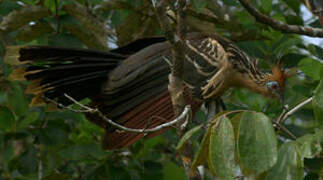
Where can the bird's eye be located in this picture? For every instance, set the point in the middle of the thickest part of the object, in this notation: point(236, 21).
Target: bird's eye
point(273, 85)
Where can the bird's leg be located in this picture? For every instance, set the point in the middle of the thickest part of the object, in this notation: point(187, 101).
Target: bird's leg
point(214, 107)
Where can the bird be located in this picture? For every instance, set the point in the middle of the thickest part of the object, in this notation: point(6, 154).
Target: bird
point(129, 84)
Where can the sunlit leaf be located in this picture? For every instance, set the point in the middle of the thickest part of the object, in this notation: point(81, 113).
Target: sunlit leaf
point(289, 164)
point(222, 149)
point(257, 143)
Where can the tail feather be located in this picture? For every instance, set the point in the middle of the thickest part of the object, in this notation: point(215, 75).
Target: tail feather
point(55, 71)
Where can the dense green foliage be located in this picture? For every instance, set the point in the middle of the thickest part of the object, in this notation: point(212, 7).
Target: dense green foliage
point(35, 143)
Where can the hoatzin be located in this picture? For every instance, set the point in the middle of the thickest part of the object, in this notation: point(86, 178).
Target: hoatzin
point(129, 84)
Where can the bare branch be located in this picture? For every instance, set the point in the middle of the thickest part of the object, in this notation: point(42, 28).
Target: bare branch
point(185, 113)
point(175, 86)
point(283, 128)
point(285, 114)
point(284, 28)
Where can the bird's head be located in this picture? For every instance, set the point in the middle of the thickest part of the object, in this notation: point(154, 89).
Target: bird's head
point(275, 82)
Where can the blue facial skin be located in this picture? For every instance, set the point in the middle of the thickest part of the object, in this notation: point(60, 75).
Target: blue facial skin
point(274, 88)
point(273, 85)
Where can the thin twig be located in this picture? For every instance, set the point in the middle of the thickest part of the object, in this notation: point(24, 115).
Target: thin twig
point(296, 108)
point(87, 109)
point(280, 26)
point(283, 128)
point(285, 115)
point(187, 109)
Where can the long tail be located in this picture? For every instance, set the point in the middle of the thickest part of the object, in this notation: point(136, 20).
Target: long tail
point(137, 100)
point(54, 71)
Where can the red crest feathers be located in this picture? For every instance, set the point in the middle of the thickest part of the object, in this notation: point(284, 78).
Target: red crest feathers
point(279, 75)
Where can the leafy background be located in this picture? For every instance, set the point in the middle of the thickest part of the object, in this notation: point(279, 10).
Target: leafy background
point(35, 144)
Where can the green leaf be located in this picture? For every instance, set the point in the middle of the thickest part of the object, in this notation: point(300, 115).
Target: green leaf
point(6, 154)
point(311, 67)
point(30, 118)
point(308, 146)
point(173, 171)
point(28, 161)
point(17, 100)
point(289, 164)
point(199, 5)
point(318, 104)
point(222, 149)
point(257, 143)
point(82, 152)
point(266, 5)
point(7, 119)
point(187, 136)
point(50, 4)
point(293, 5)
point(235, 121)
point(201, 155)
point(55, 176)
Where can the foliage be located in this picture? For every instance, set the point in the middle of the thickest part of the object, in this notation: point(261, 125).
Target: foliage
point(64, 145)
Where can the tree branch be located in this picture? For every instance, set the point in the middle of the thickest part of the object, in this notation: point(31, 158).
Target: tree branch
point(175, 86)
point(185, 113)
point(285, 114)
point(86, 109)
point(277, 25)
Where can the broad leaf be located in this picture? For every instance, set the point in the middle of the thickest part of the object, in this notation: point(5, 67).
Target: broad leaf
point(173, 171)
point(17, 100)
point(257, 143)
point(308, 146)
point(318, 104)
point(187, 136)
point(289, 164)
point(30, 118)
point(202, 154)
point(7, 119)
point(222, 149)
point(311, 67)
point(266, 5)
point(203, 151)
